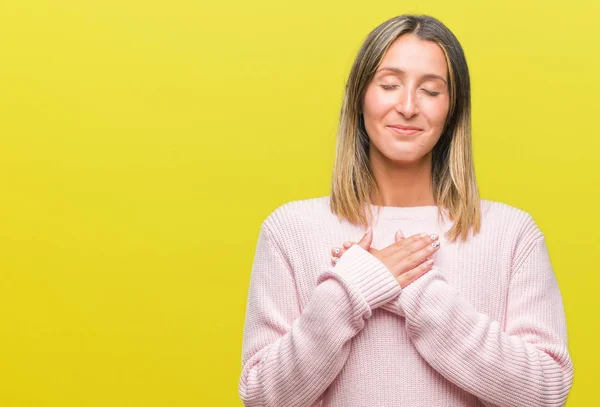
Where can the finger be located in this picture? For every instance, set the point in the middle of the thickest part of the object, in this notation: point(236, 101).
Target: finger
point(348, 244)
point(334, 261)
point(407, 254)
point(416, 242)
point(405, 247)
point(410, 276)
point(366, 240)
point(337, 251)
point(426, 250)
point(399, 235)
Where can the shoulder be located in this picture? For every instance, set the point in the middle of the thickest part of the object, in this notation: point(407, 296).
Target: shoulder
point(509, 216)
point(291, 226)
point(298, 216)
point(514, 225)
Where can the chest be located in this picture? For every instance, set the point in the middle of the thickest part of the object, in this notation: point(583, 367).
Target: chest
point(478, 269)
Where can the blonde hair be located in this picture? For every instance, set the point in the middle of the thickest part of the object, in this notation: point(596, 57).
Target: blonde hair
point(452, 174)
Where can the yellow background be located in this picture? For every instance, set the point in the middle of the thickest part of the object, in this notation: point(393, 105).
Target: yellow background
point(143, 142)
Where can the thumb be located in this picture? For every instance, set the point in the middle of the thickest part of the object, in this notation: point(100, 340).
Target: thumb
point(366, 240)
point(399, 235)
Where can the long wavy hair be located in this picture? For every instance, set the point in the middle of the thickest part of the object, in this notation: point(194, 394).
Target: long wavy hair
point(452, 174)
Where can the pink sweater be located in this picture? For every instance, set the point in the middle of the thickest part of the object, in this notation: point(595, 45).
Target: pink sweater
point(485, 327)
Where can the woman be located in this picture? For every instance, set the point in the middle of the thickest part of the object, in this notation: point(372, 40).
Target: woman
point(465, 311)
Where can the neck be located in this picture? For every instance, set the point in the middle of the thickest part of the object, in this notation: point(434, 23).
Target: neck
point(402, 184)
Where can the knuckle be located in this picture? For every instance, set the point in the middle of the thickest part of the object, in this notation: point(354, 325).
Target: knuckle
point(413, 260)
point(409, 274)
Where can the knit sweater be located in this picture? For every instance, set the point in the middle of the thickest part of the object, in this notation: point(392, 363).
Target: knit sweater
point(484, 327)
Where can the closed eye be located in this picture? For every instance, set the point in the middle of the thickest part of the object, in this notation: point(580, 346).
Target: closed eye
point(431, 93)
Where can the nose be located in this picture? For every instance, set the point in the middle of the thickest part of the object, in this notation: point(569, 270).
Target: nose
point(407, 106)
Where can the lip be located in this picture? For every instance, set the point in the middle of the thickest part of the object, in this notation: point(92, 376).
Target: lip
point(405, 130)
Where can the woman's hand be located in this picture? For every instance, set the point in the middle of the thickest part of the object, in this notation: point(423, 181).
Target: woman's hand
point(407, 258)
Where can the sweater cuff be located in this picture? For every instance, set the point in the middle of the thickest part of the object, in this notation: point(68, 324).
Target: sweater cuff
point(414, 300)
point(370, 276)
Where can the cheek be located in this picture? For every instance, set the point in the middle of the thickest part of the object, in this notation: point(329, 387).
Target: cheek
point(436, 112)
point(377, 103)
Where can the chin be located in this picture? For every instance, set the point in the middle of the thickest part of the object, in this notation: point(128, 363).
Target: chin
point(404, 158)
point(401, 152)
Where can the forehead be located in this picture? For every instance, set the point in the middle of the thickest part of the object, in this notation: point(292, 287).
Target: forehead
point(415, 56)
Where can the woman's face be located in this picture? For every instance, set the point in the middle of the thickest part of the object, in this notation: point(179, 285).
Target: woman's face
point(407, 101)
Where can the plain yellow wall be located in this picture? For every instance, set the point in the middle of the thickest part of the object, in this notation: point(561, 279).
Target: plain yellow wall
point(142, 144)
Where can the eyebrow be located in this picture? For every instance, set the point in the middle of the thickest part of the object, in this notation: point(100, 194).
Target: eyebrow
point(400, 71)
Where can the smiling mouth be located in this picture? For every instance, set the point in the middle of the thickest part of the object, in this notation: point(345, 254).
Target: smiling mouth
point(405, 132)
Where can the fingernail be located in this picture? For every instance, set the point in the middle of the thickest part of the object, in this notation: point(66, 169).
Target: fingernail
point(335, 260)
point(434, 236)
point(429, 262)
point(336, 250)
point(347, 244)
point(435, 244)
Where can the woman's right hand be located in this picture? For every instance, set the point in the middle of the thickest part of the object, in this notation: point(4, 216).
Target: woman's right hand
point(406, 258)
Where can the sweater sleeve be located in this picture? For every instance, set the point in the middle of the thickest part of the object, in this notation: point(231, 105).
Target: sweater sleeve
point(525, 364)
point(290, 356)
